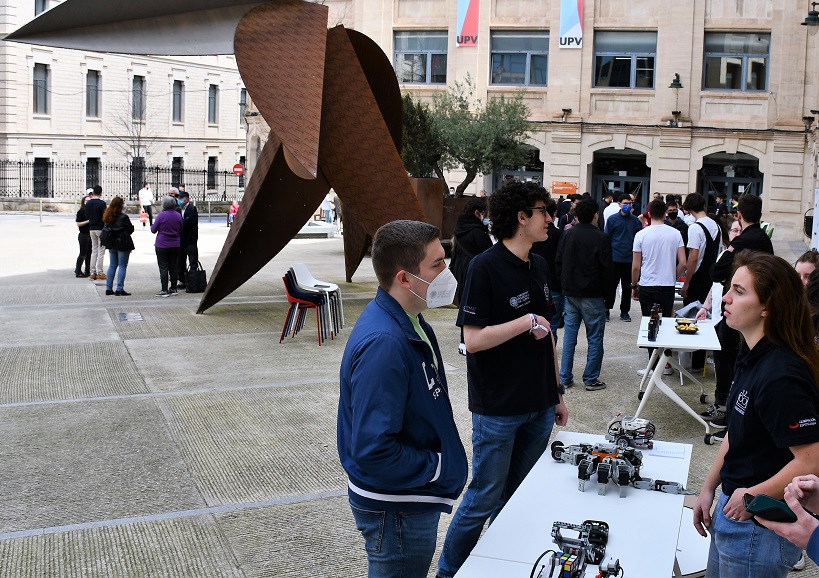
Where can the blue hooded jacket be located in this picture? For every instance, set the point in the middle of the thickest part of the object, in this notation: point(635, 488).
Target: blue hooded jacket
point(397, 438)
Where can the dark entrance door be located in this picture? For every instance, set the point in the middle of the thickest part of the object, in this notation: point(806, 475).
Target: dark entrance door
point(621, 172)
point(730, 174)
point(531, 171)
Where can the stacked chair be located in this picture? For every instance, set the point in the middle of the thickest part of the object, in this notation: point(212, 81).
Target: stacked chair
point(305, 292)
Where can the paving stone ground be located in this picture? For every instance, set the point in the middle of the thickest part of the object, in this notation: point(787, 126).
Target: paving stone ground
point(140, 439)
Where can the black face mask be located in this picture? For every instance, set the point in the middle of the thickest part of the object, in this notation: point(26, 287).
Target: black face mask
point(672, 215)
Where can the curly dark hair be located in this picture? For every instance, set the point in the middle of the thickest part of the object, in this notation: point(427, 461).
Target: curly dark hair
point(507, 201)
point(476, 204)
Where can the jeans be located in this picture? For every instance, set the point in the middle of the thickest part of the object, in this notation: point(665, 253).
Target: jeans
point(591, 311)
point(745, 550)
point(504, 449)
point(97, 253)
point(117, 263)
point(85, 254)
point(398, 544)
point(557, 319)
point(167, 260)
point(188, 256)
point(328, 216)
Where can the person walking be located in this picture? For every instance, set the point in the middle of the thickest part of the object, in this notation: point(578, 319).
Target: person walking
point(167, 227)
point(621, 227)
point(583, 260)
point(397, 438)
point(84, 238)
point(94, 209)
point(514, 392)
point(146, 201)
point(773, 418)
point(188, 239)
point(120, 251)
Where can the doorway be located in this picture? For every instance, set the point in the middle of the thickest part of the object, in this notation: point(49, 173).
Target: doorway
point(621, 171)
point(730, 174)
point(532, 171)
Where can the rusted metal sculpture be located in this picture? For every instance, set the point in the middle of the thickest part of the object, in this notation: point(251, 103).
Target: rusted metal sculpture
point(330, 97)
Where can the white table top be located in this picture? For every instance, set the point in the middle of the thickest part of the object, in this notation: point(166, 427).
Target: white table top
point(669, 337)
point(643, 526)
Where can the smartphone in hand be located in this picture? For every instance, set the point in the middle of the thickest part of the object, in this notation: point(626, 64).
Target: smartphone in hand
point(768, 508)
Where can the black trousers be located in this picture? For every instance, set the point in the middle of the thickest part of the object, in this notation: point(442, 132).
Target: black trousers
point(698, 291)
point(85, 254)
point(167, 260)
point(621, 275)
point(150, 210)
point(188, 258)
point(662, 295)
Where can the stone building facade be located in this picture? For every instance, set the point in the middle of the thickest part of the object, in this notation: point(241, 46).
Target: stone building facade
point(61, 106)
point(606, 114)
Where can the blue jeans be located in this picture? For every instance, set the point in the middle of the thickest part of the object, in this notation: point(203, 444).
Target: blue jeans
point(328, 216)
point(398, 544)
point(745, 550)
point(592, 312)
point(117, 260)
point(557, 319)
point(504, 449)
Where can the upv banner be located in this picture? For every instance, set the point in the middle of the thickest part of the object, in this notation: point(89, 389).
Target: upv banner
point(571, 23)
point(467, 23)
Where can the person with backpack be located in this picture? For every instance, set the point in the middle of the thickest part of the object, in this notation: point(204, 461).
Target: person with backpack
point(119, 246)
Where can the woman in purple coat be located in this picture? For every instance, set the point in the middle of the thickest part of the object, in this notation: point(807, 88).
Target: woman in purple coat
point(167, 227)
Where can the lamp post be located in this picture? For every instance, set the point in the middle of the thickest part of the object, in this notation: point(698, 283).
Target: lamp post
point(812, 19)
point(676, 85)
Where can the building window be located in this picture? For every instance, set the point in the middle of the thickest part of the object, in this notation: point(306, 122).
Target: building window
point(92, 172)
point(624, 59)
point(92, 94)
point(242, 106)
point(40, 6)
point(420, 57)
point(736, 61)
point(177, 170)
point(138, 98)
point(41, 88)
point(212, 166)
point(213, 104)
point(243, 162)
point(178, 103)
point(519, 58)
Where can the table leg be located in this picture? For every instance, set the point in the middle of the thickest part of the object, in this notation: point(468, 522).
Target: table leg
point(683, 372)
point(656, 381)
point(651, 360)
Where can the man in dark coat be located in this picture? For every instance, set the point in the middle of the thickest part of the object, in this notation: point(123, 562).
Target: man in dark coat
point(188, 249)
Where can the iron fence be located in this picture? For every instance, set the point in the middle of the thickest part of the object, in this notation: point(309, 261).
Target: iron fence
point(66, 179)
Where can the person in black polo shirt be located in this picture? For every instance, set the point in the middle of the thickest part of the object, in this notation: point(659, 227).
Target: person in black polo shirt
point(773, 418)
point(511, 364)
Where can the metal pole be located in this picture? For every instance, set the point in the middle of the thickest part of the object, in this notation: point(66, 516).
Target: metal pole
point(209, 214)
point(41, 210)
point(814, 239)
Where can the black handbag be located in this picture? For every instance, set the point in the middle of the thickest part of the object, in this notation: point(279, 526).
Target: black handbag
point(197, 279)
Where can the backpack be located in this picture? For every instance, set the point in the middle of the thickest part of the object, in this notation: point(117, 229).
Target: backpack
point(107, 237)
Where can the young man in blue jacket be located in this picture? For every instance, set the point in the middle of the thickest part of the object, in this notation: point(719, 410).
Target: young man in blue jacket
point(397, 438)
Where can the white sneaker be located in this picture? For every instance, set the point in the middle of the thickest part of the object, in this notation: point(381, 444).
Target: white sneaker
point(643, 371)
point(462, 348)
point(800, 565)
point(667, 369)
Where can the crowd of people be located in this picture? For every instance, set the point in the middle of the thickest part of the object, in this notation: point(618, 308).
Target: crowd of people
point(176, 228)
point(559, 264)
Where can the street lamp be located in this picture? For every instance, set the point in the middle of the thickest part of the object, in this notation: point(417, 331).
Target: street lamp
point(676, 85)
point(812, 19)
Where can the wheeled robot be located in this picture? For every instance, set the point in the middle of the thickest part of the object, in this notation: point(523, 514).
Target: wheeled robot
point(633, 432)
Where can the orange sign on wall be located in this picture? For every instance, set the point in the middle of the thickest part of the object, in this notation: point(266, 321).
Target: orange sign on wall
point(564, 189)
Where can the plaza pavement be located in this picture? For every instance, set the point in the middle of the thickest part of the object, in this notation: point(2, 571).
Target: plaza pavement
point(140, 439)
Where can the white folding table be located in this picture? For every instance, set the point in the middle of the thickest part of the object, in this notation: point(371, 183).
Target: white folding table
point(668, 341)
point(644, 526)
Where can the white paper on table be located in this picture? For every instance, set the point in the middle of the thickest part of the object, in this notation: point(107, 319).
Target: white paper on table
point(666, 450)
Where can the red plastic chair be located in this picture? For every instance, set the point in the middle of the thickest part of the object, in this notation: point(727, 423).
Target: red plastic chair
point(296, 314)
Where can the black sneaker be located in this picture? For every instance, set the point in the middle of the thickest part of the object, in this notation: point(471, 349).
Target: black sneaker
point(162, 293)
point(719, 437)
point(568, 384)
point(595, 385)
point(173, 293)
point(122, 294)
point(719, 421)
point(109, 291)
point(625, 317)
point(608, 315)
point(713, 411)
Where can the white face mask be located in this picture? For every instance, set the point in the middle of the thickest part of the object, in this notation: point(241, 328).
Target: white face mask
point(441, 290)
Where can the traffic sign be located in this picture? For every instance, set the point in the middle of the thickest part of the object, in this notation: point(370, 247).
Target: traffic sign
point(238, 170)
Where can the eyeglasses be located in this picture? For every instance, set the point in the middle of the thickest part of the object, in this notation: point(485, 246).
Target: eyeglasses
point(733, 230)
point(541, 209)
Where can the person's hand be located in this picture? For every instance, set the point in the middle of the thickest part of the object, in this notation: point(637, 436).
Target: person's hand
point(561, 413)
point(734, 508)
point(806, 490)
point(798, 532)
point(542, 329)
point(701, 314)
point(684, 290)
point(702, 512)
point(635, 294)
